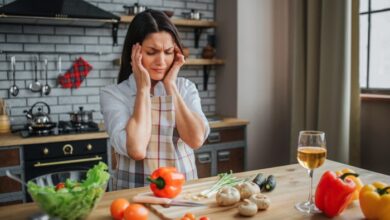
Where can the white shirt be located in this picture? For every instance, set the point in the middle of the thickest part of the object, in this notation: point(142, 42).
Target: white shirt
point(117, 106)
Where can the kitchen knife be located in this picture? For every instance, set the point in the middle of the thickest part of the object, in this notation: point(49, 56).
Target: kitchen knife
point(164, 201)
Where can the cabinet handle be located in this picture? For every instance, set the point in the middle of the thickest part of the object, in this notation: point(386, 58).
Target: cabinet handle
point(223, 155)
point(214, 137)
point(204, 158)
point(96, 158)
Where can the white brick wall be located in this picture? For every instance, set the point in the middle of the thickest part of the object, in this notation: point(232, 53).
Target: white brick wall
point(49, 42)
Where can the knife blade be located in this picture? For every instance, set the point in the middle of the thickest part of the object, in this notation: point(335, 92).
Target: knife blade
point(164, 201)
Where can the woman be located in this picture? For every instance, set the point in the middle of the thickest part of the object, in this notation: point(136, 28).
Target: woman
point(153, 117)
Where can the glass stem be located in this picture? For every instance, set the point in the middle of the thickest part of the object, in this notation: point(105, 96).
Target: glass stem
point(310, 200)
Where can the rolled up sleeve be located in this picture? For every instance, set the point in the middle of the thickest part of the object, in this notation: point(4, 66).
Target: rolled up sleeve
point(116, 113)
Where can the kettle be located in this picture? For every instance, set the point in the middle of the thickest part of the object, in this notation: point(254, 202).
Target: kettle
point(40, 118)
point(135, 9)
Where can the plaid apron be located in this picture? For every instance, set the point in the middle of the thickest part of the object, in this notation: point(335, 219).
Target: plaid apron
point(165, 148)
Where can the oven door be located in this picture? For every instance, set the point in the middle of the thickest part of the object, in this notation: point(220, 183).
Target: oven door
point(38, 168)
point(34, 169)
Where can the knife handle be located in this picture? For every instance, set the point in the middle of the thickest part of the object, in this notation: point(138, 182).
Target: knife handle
point(151, 200)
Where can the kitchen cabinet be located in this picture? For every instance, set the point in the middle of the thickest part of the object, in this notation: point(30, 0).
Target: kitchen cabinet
point(224, 150)
point(11, 192)
point(31, 157)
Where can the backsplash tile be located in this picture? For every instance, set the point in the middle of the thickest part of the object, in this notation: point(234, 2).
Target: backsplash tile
point(94, 44)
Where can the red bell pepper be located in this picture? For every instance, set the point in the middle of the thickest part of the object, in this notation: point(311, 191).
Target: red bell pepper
point(334, 193)
point(166, 182)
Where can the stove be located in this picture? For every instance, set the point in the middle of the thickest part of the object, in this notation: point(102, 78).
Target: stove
point(63, 127)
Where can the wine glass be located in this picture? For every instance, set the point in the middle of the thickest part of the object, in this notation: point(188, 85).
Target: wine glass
point(311, 155)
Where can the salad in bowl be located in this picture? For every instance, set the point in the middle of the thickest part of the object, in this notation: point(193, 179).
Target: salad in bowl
point(71, 194)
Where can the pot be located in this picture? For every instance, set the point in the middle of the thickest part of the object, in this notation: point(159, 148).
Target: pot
point(38, 118)
point(81, 116)
point(135, 9)
point(193, 14)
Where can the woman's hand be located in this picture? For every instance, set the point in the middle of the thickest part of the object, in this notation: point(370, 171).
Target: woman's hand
point(170, 78)
point(141, 75)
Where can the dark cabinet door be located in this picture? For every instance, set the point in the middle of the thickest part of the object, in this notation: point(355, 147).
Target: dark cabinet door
point(203, 164)
point(230, 159)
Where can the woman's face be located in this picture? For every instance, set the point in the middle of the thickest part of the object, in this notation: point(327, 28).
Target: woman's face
point(158, 54)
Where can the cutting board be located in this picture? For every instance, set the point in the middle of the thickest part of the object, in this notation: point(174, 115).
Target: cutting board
point(189, 190)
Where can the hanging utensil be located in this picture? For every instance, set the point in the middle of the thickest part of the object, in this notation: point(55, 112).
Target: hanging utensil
point(13, 90)
point(35, 86)
point(2, 107)
point(46, 88)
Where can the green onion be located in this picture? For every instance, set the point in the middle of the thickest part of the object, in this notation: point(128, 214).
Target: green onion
point(225, 179)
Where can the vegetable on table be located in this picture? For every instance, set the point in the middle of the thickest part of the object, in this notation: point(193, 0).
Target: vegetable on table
point(136, 212)
point(375, 201)
point(262, 201)
point(260, 180)
point(228, 195)
point(76, 199)
point(247, 189)
point(355, 179)
point(334, 193)
point(166, 182)
point(188, 216)
point(118, 207)
point(225, 179)
point(270, 183)
point(247, 208)
point(266, 184)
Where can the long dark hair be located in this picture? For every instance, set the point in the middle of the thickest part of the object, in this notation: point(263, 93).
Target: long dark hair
point(144, 23)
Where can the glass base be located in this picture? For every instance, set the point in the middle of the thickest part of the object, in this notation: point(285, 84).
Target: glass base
point(307, 207)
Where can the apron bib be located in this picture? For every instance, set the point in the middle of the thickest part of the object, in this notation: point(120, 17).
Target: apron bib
point(165, 148)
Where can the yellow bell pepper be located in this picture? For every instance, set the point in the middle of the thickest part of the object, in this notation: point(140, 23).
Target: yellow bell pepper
point(375, 201)
point(356, 180)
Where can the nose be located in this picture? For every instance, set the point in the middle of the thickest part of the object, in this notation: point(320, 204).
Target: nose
point(160, 59)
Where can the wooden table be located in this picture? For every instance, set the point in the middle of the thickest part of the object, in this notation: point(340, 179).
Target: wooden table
point(292, 187)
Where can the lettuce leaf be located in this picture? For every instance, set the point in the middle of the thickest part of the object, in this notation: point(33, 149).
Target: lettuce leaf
point(76, 200)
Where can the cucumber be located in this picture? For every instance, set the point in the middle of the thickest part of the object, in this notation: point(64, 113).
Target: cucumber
point(260, 180)
point(270, 183)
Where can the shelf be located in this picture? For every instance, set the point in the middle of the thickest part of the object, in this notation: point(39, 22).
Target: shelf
point(179, 22)
point(203, 62)
point(192, 62)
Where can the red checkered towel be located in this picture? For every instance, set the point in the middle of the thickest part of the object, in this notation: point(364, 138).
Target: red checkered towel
point(75, 75)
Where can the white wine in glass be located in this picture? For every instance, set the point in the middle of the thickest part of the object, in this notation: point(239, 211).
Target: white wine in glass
point(311, 155)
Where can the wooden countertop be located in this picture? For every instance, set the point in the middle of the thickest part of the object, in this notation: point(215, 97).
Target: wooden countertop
point(14, 139)
point(292, 187)
point(228, 122)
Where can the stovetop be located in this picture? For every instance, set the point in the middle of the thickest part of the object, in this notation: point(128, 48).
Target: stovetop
point(63, 127)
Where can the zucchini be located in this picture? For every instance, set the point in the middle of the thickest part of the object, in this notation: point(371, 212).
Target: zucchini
point(260, 180)
point(270, 183)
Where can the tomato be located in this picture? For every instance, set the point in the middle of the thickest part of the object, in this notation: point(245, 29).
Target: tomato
point(204, 218)
point(185, 218)
point(60, 186)
point(136, 212)
point(118, 207)
point(190, 216)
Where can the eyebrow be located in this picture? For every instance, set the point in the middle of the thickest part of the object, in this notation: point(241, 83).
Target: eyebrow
point(153, 48)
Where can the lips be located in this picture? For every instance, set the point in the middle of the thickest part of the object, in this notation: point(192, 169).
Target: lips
point(158, 70)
